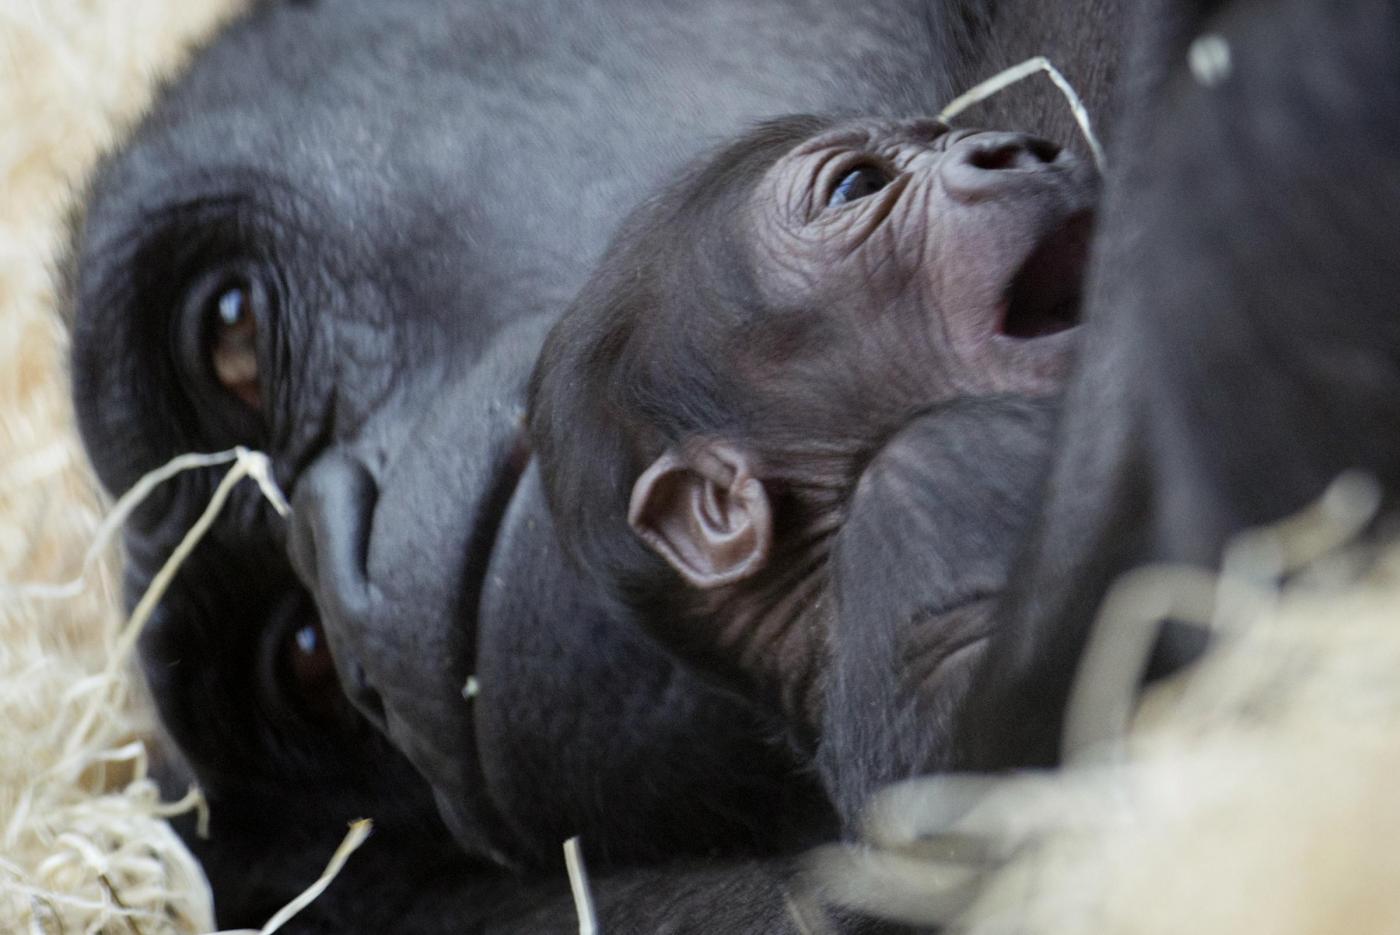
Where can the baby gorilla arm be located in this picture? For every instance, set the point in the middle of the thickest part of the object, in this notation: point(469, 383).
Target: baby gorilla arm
point(928, 544)
point(901, 608)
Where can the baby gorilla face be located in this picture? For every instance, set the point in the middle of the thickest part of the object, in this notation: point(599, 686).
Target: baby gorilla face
point(827, 352)
point(971, 244)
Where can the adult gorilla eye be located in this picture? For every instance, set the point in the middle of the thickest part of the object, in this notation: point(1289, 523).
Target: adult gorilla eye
point(307, 672)
point(294, 672)
point(233, 341)
point(858, 183)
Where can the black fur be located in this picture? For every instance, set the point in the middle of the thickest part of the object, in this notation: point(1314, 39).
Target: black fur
point(423, 186)
point(1243, 347)
point(418, 188)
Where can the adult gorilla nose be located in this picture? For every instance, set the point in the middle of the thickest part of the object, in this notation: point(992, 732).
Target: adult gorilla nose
point(983, 165)
point(331, 510)
point(396, 662)
point(331, 507)
point(391, 534)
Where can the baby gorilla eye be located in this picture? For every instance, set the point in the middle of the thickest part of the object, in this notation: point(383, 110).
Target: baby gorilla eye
point(233, 345)
point(858, 183)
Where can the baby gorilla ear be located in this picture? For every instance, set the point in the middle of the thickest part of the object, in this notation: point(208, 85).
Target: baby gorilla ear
point(705, 513)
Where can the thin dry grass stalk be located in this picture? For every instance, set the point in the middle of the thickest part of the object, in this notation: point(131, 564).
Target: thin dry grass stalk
point(83, 843)
point(1031, 66)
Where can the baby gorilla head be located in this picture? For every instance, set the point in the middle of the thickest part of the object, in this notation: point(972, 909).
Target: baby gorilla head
point(756, 336)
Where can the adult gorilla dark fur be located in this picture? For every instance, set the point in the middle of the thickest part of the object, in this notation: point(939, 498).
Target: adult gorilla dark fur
point(396, 199)
point(1247, 349)
point(340, 237)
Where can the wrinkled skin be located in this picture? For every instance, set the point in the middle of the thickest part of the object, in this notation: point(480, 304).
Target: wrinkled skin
point(412, 193)
point(932, 256)
point(340, 236)
point(815, 377)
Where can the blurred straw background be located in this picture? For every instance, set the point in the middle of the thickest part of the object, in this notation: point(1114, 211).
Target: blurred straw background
point(81, 846)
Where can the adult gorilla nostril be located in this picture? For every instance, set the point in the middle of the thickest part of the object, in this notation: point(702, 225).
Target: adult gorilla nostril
point(329, 541)
point(364, 695)
point(332, 506)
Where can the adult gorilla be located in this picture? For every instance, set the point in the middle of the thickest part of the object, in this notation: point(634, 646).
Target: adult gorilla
point(1246, 349)
point(339, 237)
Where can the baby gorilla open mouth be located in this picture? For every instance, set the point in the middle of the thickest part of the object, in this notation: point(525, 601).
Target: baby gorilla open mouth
point(1045, 294)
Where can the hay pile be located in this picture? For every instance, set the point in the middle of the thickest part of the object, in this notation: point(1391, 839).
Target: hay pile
point(81, 845)
point(1255, 792)
point(1256, 795)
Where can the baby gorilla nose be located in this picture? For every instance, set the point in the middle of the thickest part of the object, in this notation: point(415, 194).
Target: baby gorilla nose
point(998, 151)
point(982, 165)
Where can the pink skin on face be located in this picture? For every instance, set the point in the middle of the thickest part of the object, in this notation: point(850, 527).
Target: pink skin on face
point(969, 245)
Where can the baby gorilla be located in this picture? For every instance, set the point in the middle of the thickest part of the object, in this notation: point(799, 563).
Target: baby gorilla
point(798, 417)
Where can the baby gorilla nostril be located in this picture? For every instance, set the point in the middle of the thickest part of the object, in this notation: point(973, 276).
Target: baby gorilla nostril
point(1010, 151)
point(1044, 150)
point(994, 165)
point(994, 158)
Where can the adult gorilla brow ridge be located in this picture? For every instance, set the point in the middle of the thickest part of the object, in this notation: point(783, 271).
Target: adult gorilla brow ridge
point(245, 216)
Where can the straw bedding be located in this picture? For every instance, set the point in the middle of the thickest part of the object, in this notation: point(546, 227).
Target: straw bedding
point(1256, 794)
